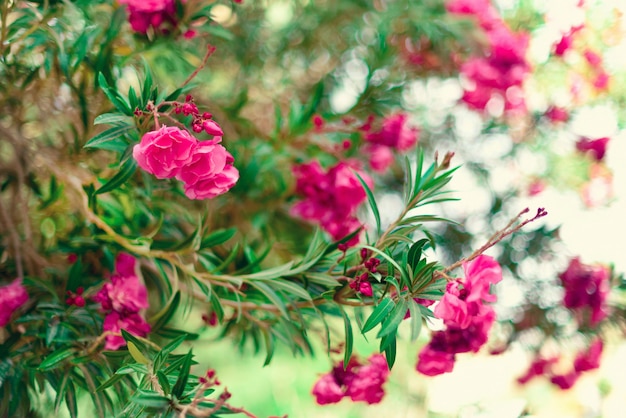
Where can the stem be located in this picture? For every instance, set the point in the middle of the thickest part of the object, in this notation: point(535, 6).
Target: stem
point(209, 52)
point(496, 238)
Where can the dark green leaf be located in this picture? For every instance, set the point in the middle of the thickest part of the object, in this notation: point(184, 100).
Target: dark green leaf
point(151, 399)
point(349, 338)
point(55, 359)
point(109, 135)
point(126, 171)
point(416, 319)
point(183, 376)
point(218, 237)
point(378, 314)
point(371, 200)
point(394, 319)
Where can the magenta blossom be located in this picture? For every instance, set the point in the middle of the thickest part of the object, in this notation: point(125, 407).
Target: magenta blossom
point(115, 323)
point(433, 362)
point(331, 198)
point(12, 297)
point(464, 299)
point(565, 381)
point(165, 151)
point(590, 359)
point(595, 147)
point(359, 382)
point(145, 14)
point(125, 293)
point(586, 289)
point(395, 133)
point(210, 187)
point(540, 366)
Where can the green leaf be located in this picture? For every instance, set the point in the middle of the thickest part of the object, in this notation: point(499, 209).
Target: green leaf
point(218, 237)
point(55, 359)
point(371, 200)
point(173, 345)
point(378, 314)
point(110, 381)
point(164, 382)
point(183, 376)
point(271, 296)
point(269, 347)
point(112, 119)
point(416, 319)
point(126, 172)
point(415, 253)
point(70, 399)
point(128, 337)
point(389, 341)
point(161, 318)
point(347, 353)
point(136, 354)
point(109, 135)
point(394, 319)
point(115, 98)
point(151, 399)
point(290, 287)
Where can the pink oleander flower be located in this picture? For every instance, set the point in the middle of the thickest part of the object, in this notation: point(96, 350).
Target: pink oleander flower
point(327, 390)
point(395, 133)
point(539, 367)
point(331, 198)
point(595, 147)
point(380, 157)
point(165, 151)
point(115, 322)
point(438, 356)
point(125, 293)
point(367, 383)
point(590, 359)
point(463, 299)
point(144, 14)
point(208, 159)
point(565, 381)
point(557, 114)
point(586, 288)
point(564, 44)
point(12, 297)
point(482, 10)
point(357, 381)
point(601, 81)
point(433, 362)
point(213, 186)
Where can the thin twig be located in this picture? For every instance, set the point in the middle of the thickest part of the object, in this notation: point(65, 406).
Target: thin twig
point(496, 238)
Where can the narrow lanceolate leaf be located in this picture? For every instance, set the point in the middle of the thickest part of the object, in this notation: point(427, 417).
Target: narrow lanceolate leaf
point(56, 358)
point(112, 119)
point(151, 399)
point(272, 296)
point(106, 136)
point(291, 287)
point(218, 237)
point(372, 202)
point(416, 319)
point(70, 400)
point(389, 343)
point(126, 172)
point(161, 318)
point(390, 324)
point(183, 376)
point(110, 381)
point(136, 354)
point(349, 338)
point(379, 313)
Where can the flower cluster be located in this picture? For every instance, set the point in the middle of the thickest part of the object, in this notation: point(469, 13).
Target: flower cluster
point(331, 198)
point(357, 381)
point(394, 134)
point(585, 361)
point(586, 287)
point(467, 319)
point(205, 167)
point(594, 147)
point(12, 297)
point(501, 74)
point(146, 14)
point(123, 299)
